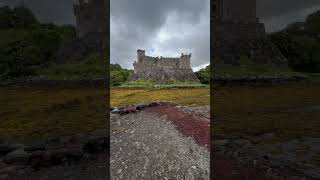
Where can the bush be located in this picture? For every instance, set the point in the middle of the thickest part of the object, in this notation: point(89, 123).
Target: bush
point(204, 75)
point(26, 44)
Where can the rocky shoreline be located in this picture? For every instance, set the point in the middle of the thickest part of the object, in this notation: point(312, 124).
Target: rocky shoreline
point(39, 154)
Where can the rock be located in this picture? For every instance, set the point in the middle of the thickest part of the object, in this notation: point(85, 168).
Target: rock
point(141, 107)
point(5, 147)
point(8, 170)
point(16, 146)
point(115, 111)
point(35, 145)
point(127, 110)
point(154, 104)
point(17, 157)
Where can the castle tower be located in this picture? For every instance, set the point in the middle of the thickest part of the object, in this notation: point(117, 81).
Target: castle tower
point(238, 32)
point(184, 61)
point(89, 16)
point(140, 54)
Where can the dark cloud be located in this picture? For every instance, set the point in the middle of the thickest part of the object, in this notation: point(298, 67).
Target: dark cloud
point(276, 14)
point(167, 28)
point(57, 11)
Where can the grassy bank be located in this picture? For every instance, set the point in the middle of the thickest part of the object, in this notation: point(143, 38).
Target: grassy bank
point(249, 70)
point(287, 111)
point(144, 83)
point(33, 112)
point(199, 96)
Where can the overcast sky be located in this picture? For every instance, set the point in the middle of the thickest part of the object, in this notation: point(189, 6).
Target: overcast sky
point(166, 27)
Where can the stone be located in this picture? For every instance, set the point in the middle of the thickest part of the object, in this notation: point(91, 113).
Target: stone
point(16, 146)
point(115, 111)
point(35, 145)
point(8, 170)
point(141, 107)
point(154, 104)
point(163, 69)
point(17, 157)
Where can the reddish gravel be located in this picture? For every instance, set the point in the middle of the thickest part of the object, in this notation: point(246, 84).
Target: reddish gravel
point(188, 124)
point(199, 129)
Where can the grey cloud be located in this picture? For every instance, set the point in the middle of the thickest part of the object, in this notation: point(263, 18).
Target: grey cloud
point(136, 24)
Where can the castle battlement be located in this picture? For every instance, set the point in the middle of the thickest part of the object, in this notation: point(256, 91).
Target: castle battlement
point(144, 62)
point(163, 68)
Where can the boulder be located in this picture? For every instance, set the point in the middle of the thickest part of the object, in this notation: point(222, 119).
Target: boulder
point(17, 157)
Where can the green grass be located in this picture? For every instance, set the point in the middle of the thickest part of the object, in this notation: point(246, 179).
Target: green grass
point(91, 68)
point(145, 83)
point(35, 112)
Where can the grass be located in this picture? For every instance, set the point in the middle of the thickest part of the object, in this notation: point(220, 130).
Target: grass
point(286, 110)
point(198, 96)
point(35, 112)
point(145, 83)
point(251, 69)
point(91, 68)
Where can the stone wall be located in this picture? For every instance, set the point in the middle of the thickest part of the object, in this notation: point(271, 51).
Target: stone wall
point(237, 32)
point(89, 17)
point(163, 69)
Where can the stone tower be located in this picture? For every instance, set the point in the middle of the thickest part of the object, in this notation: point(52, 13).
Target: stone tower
point(89, 16)
point(238, 32)
point(163, 69)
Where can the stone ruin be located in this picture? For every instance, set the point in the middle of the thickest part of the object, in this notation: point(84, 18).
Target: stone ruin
point(89, 26)
point(238, 32)
point(163, 69)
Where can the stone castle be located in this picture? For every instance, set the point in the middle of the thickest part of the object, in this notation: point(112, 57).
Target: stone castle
point(237, 32)
point(163, 69)
point(89, 17)
point(90, 20)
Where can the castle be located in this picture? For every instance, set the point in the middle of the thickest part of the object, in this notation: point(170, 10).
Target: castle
point(89, 17)
point(163, 69)
point(238, 32)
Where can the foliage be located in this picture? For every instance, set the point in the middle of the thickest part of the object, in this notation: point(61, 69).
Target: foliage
point(118, 75)
point(27, 45)
point(204, 75)
point(300, 43)
point(19, 17)
point(93, 67)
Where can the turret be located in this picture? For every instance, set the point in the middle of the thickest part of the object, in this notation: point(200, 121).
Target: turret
point(140, 53)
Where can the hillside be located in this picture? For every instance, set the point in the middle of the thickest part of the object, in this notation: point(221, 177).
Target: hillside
point(300, 43)
point(30, 50)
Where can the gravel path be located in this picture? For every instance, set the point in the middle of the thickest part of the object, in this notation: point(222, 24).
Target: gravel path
point(146, 145)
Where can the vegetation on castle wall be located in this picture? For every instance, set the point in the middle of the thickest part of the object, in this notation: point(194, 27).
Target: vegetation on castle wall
point(300, 43)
